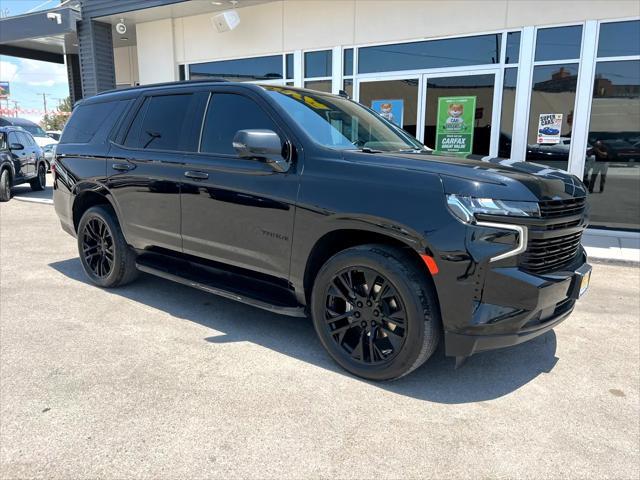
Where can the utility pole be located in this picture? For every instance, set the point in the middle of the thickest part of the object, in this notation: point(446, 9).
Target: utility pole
point(44, 101)
point(15, 108)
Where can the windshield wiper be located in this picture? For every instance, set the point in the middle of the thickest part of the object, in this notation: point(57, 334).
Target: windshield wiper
point(369, 150)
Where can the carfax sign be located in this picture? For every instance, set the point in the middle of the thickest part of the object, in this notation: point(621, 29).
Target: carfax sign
point(454, 128)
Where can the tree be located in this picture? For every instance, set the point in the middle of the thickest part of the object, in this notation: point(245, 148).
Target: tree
point(57, 120)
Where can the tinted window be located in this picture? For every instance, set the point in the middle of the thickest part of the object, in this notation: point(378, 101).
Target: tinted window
point(244, 69)
point(27, 140)
point(3, 141)
point(513, 47)
point(13, 138)
point(451, 52)
point(161, 123)
point(619, 39)
point(181, 72)
point(348, 61)
point(317, 64)
point(289, 65)
point(227, 114)
point(85, 122)
point(558, 43)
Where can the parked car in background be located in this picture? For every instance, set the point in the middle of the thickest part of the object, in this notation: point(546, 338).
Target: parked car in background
point(306, 203)
point(21, 161)
point(55, 134)
point(43, 140)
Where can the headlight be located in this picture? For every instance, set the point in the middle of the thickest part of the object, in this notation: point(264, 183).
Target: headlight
point(466, 208)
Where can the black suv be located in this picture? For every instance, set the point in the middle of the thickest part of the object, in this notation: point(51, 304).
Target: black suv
point(301, 202)
point(21, 161)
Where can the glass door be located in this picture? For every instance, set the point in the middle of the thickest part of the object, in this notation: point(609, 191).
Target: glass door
point(395, 98)
point(460, 113)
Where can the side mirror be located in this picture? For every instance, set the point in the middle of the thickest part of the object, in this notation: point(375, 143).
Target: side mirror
point(16, 146)
point(261, 144)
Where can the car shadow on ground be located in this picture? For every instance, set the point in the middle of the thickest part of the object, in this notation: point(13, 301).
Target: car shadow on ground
point(483, 377)
point(24, 192)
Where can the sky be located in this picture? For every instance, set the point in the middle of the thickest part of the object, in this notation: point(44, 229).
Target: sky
point(31, 78)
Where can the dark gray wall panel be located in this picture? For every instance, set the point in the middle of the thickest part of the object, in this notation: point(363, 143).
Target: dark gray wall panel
point(97, 67)
point(101, 8)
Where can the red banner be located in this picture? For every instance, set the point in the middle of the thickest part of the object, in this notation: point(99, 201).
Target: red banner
point(16, 112)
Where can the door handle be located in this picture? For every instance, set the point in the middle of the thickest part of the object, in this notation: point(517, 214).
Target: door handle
point(196, 175)
point(123, 167)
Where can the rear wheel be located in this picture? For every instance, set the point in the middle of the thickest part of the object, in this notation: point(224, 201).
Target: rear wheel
point(106, 258)
point(5, 186)
point(375, 312)
point(40, 182)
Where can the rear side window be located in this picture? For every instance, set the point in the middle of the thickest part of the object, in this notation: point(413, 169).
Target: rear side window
point(160, 124)
point(86, 121)
point(227, 114)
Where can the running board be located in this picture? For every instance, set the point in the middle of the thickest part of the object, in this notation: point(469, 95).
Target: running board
point(240, 288)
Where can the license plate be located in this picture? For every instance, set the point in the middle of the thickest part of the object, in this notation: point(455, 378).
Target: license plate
point(584, 284)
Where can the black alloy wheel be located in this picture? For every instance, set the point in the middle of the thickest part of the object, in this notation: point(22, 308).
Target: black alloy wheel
point(365, 315)
point(98, 247)
point(375, 310)
point(40, 182)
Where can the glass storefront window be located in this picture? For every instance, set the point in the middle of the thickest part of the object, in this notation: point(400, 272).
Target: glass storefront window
point(558, 43)
point(348, 87)
point(619, 39)
point(320, 85)
point(406, 91)
point(480, 86)
point(450, 52)
point(347, 64)
point(289, 65)
point(554, 92)
point(513, 47)
point(612, 167)
point(508, 108)
point(241, 70)
point(317, 64)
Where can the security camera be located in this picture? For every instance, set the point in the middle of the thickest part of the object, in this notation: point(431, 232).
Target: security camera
point(54, 17)
point(121, 28)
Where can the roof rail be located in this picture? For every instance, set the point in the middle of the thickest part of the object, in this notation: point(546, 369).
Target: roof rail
point(166, 84)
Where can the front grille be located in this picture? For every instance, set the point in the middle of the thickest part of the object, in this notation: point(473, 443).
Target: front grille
point(562, 208)
point(545, 255)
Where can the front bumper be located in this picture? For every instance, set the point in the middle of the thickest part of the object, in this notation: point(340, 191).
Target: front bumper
point(517, 307)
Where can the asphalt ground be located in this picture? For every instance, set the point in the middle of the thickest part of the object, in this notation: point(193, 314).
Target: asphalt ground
point(157, 380)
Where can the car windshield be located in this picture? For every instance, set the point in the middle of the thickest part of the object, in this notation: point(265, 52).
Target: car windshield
point(34, 130)
point(337, 122)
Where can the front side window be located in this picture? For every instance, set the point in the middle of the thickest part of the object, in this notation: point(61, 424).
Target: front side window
point(228, 113)
point(160, 124)
point(339, 123)
point(13, 138)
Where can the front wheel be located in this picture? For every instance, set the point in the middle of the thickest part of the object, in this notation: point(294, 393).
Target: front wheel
point(375, 312)
point(5, 186)
point(106, 258)
point(40, 182)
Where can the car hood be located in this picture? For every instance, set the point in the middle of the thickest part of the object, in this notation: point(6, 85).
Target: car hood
point(476, 176)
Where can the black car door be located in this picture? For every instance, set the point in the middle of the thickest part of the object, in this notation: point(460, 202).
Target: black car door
point(234, 210)
point(18, 156)
point(32, 149)
point(146, 165)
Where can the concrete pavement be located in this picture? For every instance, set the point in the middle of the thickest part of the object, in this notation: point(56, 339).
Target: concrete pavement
point(157, 380)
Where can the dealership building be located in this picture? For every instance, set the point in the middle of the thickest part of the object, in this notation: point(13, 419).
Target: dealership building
point(556, 83)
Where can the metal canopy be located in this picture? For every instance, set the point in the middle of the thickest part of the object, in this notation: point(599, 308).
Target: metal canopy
point(44, 35)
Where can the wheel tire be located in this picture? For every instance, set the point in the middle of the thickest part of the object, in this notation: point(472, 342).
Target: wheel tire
point(106, 258)
point(40, 182)
point(414, 292)
point(5, 186)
